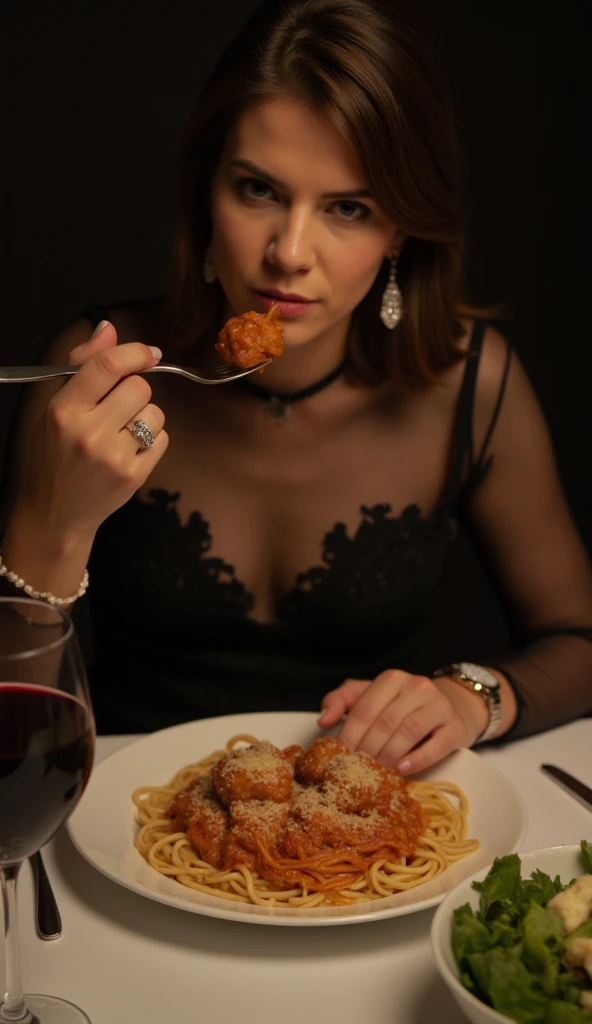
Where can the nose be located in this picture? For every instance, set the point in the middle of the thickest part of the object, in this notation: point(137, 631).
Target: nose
point(292, 245)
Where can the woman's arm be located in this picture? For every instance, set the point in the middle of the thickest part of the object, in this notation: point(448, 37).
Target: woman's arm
point(520, 523)
point(57, 562)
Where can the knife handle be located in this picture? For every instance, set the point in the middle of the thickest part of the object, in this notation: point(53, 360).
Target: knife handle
point(575, 787)
point(49, 922)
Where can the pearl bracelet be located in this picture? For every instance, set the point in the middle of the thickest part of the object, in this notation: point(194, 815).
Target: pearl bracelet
point(43, 595)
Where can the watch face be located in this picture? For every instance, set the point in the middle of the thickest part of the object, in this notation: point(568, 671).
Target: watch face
point(478, 674)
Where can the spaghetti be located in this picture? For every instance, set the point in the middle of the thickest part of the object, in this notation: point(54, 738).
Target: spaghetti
point(300, 828)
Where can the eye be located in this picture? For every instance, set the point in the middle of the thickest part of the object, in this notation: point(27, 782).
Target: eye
point(253, 188)
point(350, 210)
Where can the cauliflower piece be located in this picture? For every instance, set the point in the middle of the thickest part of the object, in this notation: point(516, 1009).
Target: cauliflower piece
point(574, 904)
point(578, 953)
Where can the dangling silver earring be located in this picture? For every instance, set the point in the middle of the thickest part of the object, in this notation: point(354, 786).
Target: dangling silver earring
point(391, 309)
point(209, 270)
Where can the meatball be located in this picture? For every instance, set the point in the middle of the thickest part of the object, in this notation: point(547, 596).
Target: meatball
point(253, 822)
point(200, 787)
point(293, 753)
point(258, 772)
point(250, 339)
point(199, 812)
point(316, 824)
point(311, 765)
point(357, 784)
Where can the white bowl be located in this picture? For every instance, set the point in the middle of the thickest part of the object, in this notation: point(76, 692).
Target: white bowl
point(565, 861)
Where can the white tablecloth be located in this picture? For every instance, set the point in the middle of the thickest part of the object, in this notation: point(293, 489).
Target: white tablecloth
point(125, 959)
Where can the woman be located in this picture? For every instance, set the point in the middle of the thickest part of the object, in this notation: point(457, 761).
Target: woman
point(319, 172)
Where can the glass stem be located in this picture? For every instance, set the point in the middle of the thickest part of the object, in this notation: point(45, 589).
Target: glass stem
point(14, 1007)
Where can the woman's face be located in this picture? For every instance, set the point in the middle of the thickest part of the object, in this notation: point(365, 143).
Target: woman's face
point(293, 222)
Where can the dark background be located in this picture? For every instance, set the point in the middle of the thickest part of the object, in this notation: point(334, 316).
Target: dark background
point(96, 95)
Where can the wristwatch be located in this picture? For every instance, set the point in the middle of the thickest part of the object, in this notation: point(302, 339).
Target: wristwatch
point(480, 680)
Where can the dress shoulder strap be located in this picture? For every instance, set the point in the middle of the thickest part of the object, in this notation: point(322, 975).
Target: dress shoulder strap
point(463, 432)
point(478, 463)
point(464, 446)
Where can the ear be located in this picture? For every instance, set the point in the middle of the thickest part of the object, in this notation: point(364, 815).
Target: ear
point(397, 242)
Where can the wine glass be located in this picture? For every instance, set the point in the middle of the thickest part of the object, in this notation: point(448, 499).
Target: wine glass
point(46, 752)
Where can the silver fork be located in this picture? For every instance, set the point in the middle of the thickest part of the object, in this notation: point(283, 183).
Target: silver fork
point(220, 374)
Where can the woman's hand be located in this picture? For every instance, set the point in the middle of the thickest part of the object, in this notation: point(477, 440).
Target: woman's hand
point(407, 722)
point(85, 462)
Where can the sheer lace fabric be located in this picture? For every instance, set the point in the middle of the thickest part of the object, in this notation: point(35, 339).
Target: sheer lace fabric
point(188, 646)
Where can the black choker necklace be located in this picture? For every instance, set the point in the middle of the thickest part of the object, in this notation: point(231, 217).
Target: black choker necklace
point(279, 402)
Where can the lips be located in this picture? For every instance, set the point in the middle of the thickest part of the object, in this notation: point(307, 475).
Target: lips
point(289, 304)
point(284, 296)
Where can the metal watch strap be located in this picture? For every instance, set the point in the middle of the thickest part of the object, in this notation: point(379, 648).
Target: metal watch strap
point(481, 681)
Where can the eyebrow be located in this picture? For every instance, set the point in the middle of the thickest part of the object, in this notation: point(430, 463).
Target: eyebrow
point(246, 165)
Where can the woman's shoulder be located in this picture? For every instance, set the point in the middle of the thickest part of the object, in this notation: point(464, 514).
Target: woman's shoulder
point(501, 386)
point(485, 353)
point(480, 370)
point(496, 362)
point(473, 388)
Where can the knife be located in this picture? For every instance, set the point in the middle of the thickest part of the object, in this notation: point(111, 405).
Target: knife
point(49, 923)
point(573, 786)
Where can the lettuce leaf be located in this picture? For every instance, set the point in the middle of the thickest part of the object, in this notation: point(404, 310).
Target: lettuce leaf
point(469, 934)
point(570, 987)
point(586, 849)
point(543, 945)
point(502, 931)
point(566, 1013)
point(499, 890)
point(540, 888)
point(509, 985)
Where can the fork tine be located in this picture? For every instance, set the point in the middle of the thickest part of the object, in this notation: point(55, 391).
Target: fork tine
point(226, 372)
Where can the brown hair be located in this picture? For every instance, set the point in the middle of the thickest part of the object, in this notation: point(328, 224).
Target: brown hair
point(360, 66)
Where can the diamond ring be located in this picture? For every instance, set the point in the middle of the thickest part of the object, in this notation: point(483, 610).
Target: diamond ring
point(143, 433)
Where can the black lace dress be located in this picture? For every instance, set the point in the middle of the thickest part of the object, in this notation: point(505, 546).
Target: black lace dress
point(178, 642)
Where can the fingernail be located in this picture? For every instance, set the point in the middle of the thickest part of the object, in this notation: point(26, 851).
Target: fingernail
point(404, 767)
point(155, 351)
point(99, 327)
point(322, 717)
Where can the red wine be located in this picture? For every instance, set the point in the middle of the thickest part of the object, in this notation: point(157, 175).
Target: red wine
point(46, 752)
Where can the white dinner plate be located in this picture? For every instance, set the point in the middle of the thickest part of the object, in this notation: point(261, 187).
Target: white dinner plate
point(103, 825)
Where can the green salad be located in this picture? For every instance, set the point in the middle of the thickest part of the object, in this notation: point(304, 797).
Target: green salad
point(527, 952)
